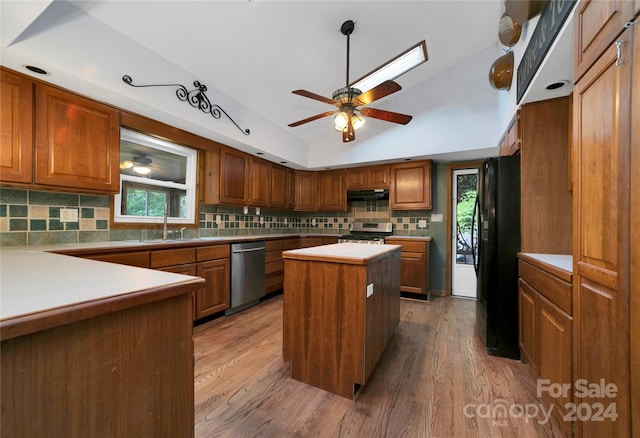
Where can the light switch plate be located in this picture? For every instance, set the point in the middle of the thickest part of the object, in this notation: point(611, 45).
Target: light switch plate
point(436, 217)
point(68, 215)
point(369, 290)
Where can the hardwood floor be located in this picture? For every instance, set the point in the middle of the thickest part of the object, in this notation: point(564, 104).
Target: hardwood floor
point(433, 372)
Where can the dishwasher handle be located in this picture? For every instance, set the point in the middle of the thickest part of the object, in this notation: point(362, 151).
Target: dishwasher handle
point(236, 251)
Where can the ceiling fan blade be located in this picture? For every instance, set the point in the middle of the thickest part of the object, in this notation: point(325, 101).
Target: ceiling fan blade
point(315, 96)
point(387, 116)
point(310, 119)
point(378, 92)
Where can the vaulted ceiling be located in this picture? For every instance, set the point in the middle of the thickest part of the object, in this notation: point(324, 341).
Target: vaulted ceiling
point(252, 54)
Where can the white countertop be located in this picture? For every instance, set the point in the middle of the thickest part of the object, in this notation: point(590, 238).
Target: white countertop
point(356, 253)
point(33, 281)
point(561, 261)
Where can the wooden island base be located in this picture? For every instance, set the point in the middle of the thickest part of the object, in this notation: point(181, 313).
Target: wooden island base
point(335, 330)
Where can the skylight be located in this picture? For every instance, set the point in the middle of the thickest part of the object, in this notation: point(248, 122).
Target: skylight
point(399, 65)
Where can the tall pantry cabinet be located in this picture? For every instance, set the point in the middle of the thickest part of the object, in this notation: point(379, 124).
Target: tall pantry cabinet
point(605, 103)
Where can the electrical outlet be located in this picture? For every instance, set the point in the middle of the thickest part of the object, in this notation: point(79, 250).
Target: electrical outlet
point(261, 219)
point(422, 223)
point(68, 215)
point(218, 219)
point(369, 290)
point(285, 221)
point(313, 221)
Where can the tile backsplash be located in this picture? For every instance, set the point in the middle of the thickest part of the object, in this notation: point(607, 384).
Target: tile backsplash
point(30, 217)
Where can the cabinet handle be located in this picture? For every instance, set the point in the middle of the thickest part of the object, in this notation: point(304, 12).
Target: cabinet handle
point(619, 44)
point(628, 24)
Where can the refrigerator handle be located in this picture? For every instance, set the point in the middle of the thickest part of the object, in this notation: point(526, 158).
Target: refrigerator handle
point(475, 244)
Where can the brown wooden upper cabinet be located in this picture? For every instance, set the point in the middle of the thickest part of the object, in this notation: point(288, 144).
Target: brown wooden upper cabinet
point(77, 140)
point(596, 24)
point(306, 190)
point(259, 182)
point(234, 176)
point(369, 177)
point(410, 186)
point(16, 123)
point(290, 188)
point(278, 184)
point(510, 143)
point(331, 191)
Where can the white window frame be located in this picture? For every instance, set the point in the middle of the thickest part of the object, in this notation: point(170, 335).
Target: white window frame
point(189, 186)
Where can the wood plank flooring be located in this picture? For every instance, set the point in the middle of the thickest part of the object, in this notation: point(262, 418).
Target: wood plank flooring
point(433, 372)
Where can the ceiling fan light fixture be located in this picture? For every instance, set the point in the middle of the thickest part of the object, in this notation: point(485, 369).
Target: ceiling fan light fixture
point(142, 170)
point(357, 121)
point(341, 121)
point(399, 65)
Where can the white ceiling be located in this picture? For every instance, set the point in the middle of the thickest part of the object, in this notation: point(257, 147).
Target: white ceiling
point(252, 54)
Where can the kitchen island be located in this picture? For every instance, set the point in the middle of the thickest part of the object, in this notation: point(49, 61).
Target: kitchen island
point(94, 349)
point(341, 308)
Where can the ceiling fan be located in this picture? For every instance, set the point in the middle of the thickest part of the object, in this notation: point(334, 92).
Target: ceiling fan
point(348, 117)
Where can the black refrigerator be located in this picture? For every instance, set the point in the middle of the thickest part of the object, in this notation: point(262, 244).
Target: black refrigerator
point(498, 207)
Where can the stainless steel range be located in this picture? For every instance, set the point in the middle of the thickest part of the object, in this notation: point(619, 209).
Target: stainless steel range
point(367, 232)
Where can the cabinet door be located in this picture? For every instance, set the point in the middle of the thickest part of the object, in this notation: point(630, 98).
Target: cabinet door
point(77, 141)
point(290, 189)
point(16, 126)
point(259, 182)
point(306, 190)
point(413, 269)
point(513, 135)
point(596, 24)
point(527, 323)
point(278, 195)
point(356, 178)
point(331, 191)
point(601, 231)
point(553, 328)
point(378, 177)
point(234, 171)
point(214, 296)
point(210, 171)
point(410, 186)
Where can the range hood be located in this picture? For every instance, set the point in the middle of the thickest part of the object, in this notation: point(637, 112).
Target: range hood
point(367, 195)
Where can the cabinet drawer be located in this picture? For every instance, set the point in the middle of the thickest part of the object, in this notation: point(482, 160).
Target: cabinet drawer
point(273, 282)
point(138, 258)
point(551, 287)
point(168, 257)
point(273, 256)
point(291, 244)
point(272, 267)
point(273, 245)
point(212, 252)
point(407, 245)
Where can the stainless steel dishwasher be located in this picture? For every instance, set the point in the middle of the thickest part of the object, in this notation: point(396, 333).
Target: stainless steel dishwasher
point(247, 275)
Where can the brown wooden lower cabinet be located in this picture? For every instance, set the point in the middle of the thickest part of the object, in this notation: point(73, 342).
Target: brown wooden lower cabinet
point(121, 367)
point(214, 297)
point(214, 265)
point(209, 262)
point(339, 315)
point(414, 263)
point(545, 332)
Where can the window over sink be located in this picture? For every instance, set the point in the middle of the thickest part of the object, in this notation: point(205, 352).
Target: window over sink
point(156, 176)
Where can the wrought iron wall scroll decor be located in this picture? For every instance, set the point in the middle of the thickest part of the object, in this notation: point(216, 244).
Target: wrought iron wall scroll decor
point(195, 97)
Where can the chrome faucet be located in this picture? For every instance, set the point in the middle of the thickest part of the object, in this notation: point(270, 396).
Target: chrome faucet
point(164, 226)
